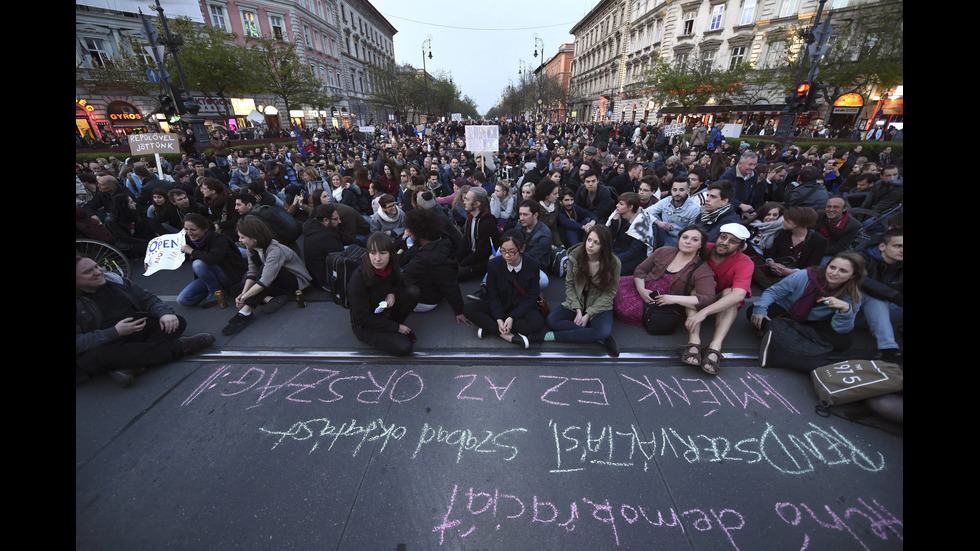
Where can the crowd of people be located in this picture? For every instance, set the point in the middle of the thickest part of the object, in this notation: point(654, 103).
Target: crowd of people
point(637, 224)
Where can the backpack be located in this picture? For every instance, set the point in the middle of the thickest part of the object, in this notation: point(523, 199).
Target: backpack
point(285, 228)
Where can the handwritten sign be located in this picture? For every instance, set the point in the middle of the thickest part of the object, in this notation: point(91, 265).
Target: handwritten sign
point(482, 137)
point(675, 129)
point(163, 253)
point(145, 144)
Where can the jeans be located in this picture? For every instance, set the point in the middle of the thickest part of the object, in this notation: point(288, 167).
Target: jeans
point(879, 315)
point(561, 320)
point(210, 278)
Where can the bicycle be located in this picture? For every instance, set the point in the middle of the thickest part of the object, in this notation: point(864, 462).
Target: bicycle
point(108, 257)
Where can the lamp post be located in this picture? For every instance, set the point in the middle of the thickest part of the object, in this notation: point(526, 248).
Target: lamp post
point(426, 48)
point(537, 40)
point(522, 82)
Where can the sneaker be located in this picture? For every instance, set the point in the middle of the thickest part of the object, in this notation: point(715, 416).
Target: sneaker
point(273, 305)
point(764, 348)
point(190, 345)
point(208, 302)
point(611, 347)
point(122, 377)
point(892, 355)
point(520, 340)
point(479, 332)
point(236, 324)
point(480, 294)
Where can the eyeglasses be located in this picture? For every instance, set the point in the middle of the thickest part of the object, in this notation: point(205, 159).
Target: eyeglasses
point(508, 252)
point(729, 239)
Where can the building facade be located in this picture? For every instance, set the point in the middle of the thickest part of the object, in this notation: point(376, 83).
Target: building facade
point(618, 41)
point(335, 41)
point(367, 46)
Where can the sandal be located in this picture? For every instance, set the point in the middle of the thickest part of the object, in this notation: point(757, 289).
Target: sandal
point(709, 366)
point(691, 358)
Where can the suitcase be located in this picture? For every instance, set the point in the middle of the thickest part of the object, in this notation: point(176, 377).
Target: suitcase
point(340, 266)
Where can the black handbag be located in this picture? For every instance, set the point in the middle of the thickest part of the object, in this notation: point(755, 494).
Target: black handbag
point(663, 320)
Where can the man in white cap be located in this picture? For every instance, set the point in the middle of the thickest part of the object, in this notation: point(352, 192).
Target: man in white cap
point(733, 284)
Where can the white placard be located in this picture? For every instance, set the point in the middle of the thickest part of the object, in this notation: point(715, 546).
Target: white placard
point(482, 137)
point(163, 253)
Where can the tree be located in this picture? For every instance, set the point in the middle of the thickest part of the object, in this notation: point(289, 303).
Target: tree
point(212, 62)
point(397, 87)
point(281, 73)
point(865, 53)
point(125, 71)
point(691, 82)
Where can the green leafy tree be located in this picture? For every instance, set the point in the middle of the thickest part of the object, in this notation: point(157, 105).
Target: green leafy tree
point(865, 53)
point(213, 63)
point(692, 82)
point(126, 70)
point(283, 74)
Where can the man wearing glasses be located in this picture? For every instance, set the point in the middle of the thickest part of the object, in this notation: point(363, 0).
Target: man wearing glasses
point(733, 284)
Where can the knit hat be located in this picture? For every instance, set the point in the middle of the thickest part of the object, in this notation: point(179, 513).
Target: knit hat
point(426, 200)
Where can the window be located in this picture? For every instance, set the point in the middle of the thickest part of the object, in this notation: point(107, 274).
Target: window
point(97, 49)
point(688, 23)
point(250, 24)
point(278, 29)
point(774, 57)
point(717, 14)
point(306, 36)
point(708, 57)
point(738, 56)
point(748, 13)
point(788, 8)
point(681, 59)
point(218, 17)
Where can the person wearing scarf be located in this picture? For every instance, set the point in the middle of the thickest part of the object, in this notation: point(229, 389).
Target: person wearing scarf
point(823, 298)
point(215, 260)
point(717, 209)
point(380, 300)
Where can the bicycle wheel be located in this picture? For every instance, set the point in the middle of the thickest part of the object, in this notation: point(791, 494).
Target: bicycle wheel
point(104, 255)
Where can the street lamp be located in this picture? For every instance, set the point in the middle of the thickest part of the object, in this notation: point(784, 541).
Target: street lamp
point(426, 47)
point(537, 40)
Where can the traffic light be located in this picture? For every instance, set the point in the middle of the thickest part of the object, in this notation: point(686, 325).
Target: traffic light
point(169, 109)
point(797, 97)
point(817, 91)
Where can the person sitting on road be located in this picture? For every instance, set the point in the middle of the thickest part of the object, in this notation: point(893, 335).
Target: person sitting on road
point(591, 282)
point(793, 248)
point(733, 284)
point(430, 264)
point(511, 310)
point(381, 300)
point(824, 298)
point(121, 329)
point(717, 210)
point(671, 275)
point(276, 274)
point(215, 260)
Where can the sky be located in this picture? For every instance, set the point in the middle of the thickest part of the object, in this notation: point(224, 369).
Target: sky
point(480, 44)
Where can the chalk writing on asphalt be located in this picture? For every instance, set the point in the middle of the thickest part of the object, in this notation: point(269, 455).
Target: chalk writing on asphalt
point(315, 385)
point(591, 446)
point(478, 513)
